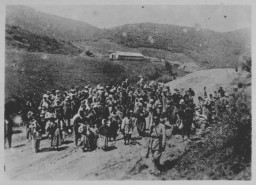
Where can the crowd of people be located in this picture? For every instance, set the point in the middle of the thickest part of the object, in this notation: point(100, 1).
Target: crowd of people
point(97, 115)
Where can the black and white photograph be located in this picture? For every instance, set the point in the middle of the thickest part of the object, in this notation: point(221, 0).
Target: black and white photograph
point(127, 91)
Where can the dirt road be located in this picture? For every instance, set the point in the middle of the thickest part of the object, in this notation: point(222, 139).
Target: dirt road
point(120, 162)
point(210, 78)
point(70, 163)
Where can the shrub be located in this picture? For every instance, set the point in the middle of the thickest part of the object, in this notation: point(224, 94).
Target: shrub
point(238, 117)
point(165, 78)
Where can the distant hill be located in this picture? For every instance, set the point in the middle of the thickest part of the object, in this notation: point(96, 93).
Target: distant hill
point(205, 47)
point(50, 25)
point(17, 38)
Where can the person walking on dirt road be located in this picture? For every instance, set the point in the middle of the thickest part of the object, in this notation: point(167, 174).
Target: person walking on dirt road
point(156, 143)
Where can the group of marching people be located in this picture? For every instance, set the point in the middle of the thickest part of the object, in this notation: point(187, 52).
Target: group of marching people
point(97, 115)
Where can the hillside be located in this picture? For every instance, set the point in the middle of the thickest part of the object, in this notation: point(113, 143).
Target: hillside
point(28, 73)
point(211, 78)
point(50, 25)
point(19, 38)
point(207, 48)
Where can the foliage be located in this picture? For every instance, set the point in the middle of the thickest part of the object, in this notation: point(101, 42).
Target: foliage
point(168, 66)
point(165, 78)
point(18, 38)
point(224, 151)
point(247, 63)
point(238, 117)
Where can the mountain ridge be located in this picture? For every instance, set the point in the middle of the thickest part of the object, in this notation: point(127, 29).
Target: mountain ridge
point(206, 47)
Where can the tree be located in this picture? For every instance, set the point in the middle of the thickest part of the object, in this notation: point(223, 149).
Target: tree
point(168, 66)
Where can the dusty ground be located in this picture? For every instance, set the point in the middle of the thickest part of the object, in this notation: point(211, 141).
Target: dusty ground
point(119, 163)
point(210, 78)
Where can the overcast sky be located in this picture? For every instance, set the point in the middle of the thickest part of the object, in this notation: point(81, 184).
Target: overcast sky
point(219, 18)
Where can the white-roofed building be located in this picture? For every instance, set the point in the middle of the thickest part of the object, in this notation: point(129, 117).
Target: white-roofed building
point(120, 55)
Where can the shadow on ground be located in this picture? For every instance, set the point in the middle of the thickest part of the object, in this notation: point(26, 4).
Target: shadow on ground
point(52, 149)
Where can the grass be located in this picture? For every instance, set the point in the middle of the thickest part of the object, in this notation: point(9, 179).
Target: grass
point(31, 74)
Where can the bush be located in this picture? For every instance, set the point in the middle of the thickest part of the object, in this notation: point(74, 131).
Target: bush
point(238, 118)
point(165, 78)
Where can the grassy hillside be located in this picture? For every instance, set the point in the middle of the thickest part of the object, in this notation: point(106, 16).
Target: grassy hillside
point(207, 48)
point(29, 73)
point(49, 25)
point(19, 38)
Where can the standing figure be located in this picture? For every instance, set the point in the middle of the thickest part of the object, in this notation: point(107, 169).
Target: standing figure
point(127, 127)
point(113, 127)
point(77, 121)
point(188, 120)
point(141, 115)
point(30, 117)
point(67, 111)
point(8, 126)
point(156, 143)
point(103, 135)
point(36, 135)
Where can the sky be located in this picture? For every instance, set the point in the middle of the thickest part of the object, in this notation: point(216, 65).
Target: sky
point(219, 18)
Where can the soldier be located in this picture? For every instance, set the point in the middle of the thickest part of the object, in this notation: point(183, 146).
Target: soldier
point(156, 143)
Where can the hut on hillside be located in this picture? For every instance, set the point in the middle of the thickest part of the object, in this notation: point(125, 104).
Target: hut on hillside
point(119, 55)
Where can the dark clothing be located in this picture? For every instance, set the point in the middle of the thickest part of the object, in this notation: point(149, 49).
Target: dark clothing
point(104, 130)
point(8, 126)
point(187, 122)
point(113, 128)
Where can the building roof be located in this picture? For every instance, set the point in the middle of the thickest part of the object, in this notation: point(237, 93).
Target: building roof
point(128, 54)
